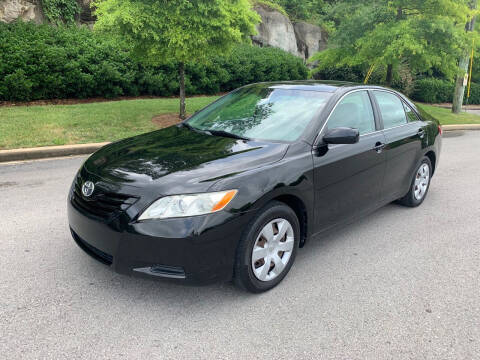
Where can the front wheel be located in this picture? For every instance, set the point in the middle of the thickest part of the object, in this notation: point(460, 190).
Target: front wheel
point(419, 185)
point(267, 250)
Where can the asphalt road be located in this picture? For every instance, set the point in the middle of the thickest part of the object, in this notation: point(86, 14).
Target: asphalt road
point(399, 284)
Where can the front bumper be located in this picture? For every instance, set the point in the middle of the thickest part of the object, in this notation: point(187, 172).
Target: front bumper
point(197, 250)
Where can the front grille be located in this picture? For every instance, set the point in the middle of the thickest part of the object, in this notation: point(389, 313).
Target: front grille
point(97, 254)
point(102, 204)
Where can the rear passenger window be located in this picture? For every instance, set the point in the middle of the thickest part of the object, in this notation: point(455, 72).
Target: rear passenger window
point(411, 116)
point(391, 107)
point(354, 111)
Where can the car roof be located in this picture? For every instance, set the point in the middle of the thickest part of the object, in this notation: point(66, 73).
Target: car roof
point(313, 85)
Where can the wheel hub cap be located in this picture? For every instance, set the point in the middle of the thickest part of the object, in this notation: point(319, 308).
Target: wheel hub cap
point(272, 249)
point(421, 181)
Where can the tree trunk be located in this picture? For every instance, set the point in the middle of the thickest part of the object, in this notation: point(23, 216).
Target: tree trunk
point(463, 70)
point(181, 75)
point(459, 87)
point(389, 80)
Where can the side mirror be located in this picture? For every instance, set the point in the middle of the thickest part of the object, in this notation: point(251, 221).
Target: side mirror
point(342, 135)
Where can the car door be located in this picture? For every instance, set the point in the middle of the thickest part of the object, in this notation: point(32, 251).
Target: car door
point(404, 133)
point(348, 178)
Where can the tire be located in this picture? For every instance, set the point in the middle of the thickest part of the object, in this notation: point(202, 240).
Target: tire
point(255, 276)
point(413, 199)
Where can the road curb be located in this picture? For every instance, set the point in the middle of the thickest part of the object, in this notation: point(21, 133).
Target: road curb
point(461, 127)
point(48, 152)
point(84, 149)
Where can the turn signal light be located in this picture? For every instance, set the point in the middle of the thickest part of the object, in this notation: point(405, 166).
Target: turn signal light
point(224, 201)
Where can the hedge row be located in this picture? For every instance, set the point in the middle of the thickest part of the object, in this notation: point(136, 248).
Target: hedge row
point(427, 90)
point(45, 62)
point(437, 91)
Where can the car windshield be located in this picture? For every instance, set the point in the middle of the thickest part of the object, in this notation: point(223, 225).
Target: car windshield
point(262, 113)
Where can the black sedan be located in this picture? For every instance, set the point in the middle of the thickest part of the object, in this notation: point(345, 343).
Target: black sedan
point(234, 191)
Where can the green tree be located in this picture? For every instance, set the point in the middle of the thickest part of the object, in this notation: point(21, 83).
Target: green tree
point(419, 34)
point(185, 31)
point(303, 9)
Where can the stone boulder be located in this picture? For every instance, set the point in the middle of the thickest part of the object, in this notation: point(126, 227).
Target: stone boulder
point(275, 30)
point(86, 16)
point(310, 39)
point(27, 10)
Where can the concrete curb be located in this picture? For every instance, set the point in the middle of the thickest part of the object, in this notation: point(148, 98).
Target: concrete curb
point(48, 152)
point(461, 127)
point(84, 149)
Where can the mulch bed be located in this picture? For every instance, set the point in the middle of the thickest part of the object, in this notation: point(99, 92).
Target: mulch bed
point(166, 120)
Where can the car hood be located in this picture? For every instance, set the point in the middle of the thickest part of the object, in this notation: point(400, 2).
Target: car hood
point(177, 159)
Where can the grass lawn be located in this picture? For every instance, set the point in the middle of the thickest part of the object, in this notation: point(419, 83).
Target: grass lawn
point(30, 126)
point(446, 117)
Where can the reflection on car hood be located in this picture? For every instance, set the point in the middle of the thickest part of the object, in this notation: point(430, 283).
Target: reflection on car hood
point(179, 159)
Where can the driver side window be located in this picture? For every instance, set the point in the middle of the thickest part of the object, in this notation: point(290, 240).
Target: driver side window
point(354, 111)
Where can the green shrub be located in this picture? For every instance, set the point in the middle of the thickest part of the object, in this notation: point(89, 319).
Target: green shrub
point(433, 91)
point(474, 94)
point(45, 62)
point(60, 11)
point(436, 91)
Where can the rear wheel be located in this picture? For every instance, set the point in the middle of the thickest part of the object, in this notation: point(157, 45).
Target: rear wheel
point(419, 185)
point(267, 249)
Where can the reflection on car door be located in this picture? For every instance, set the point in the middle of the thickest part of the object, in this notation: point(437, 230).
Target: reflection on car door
point(348, 178)
point(403, 134)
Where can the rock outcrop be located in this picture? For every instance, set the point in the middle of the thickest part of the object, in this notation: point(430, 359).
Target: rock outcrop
point(310, 39)
point(301, 39)
point(275, 30)
point(86, 16)
point(28, 10)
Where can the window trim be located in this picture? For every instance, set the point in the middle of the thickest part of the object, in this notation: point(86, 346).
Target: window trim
point(380, 111)
point(403, 102)
point(413, 111)
point(372, 104)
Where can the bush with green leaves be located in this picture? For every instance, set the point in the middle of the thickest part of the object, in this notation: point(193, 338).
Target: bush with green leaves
point(45, 62)
point(437, 91)
point(60, 12)
point(433, 91)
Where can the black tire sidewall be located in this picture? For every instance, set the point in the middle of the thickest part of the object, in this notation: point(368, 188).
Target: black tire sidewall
point(411, 193)
point(244, 275)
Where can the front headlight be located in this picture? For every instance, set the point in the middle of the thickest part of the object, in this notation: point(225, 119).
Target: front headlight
point(188, 205)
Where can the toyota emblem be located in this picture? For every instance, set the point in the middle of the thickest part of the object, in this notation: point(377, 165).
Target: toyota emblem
point(87, 188)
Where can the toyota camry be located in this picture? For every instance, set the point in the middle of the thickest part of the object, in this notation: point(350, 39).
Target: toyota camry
point(234, 191)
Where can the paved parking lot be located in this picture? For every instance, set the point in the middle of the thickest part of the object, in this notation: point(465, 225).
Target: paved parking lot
point(399, 284)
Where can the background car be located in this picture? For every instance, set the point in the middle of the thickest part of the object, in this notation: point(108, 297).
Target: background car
point(235, 190)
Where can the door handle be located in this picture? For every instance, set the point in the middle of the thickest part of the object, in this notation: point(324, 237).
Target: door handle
point(421, 133)
point(379, 146)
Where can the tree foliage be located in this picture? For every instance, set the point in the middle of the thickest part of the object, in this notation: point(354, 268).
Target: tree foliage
point(185, 31)
point(309, 10)
point(420, 34)
point(182, 30)
point(60, 12)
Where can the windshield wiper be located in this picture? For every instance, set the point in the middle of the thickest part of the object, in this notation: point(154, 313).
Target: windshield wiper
point(225, 134)
point(213, 132)
point(190, 127)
